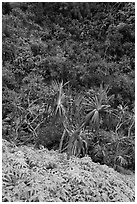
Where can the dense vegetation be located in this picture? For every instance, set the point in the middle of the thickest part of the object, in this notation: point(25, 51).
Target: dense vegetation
point(69, 79)
point(31, 175)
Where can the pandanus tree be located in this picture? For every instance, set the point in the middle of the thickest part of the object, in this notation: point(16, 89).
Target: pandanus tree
point(77, 144)
point(69, 119)
point(59, 107)
point(96, 106)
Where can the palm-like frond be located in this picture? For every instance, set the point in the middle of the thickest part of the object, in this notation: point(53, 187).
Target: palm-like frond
point(120, 160)
point(59, 108)
point(95, 106)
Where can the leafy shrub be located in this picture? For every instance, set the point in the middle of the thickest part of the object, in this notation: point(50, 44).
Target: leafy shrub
point(41, 175)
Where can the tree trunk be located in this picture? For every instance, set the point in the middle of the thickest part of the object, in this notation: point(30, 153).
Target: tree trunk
point(61, 141)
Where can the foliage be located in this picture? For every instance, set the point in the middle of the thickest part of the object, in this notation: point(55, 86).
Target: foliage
point(107, 147)
point(31, 175)
point(58, 60)
point(96, 106)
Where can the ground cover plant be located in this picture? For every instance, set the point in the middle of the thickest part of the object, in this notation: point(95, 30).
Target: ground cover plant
point(68, 91)
point(31, 175)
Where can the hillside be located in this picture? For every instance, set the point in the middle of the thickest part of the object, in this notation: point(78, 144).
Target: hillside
point(68, 87)
point(31, 175)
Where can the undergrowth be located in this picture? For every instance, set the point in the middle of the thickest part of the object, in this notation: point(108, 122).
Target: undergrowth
point(31, 175)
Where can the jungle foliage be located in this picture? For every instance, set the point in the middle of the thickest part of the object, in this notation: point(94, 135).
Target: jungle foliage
point(68, 78)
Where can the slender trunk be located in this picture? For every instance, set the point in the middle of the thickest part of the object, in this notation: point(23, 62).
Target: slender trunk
point(70, 145)
point(61, 141)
